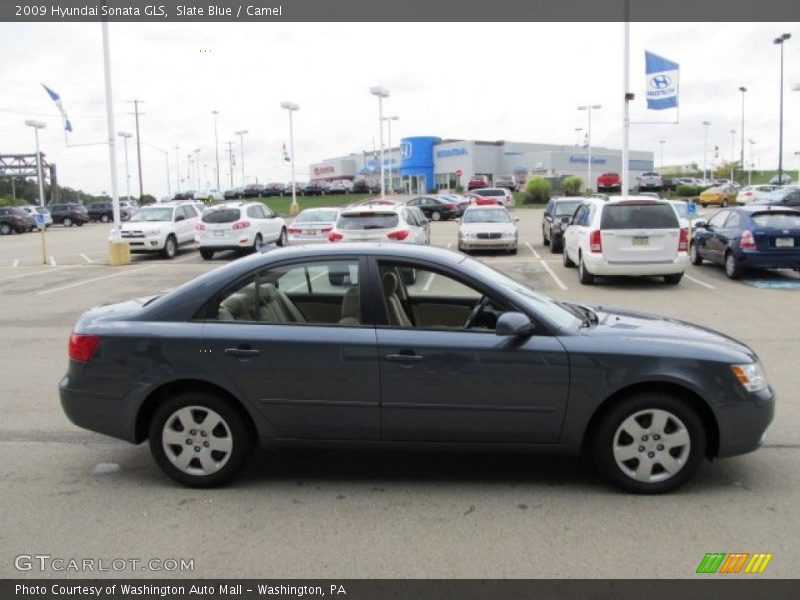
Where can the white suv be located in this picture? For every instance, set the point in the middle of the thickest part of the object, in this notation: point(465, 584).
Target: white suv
point(238, 226)
point(496, 193)
point(381, 223)
point(160, 228)
point(631, 236)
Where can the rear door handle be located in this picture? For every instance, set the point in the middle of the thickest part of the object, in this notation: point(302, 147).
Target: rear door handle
point(242, 352)
point(404, 357)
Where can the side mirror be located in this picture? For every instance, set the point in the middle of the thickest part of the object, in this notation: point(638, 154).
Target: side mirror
point(700, 223)
point(514, 324)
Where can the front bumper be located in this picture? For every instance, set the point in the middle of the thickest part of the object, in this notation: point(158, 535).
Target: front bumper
point(477, 244)
point(742, 425)
point(597, 265)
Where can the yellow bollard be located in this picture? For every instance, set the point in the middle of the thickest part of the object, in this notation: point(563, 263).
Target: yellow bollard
point(119, 253)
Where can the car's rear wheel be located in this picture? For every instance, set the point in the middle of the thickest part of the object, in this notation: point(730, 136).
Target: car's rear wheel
point(79, 223)
point(170, 247)
point(5, 229)
point(650, 443)
point(67, 222)
point(105, 219)
point(732, 268)
point(673, 279)
point(545, 240)
point(556, 246)
point(724, 203)
point(283, 239)
point(585, 277)
point(436, 216)
point(200, 439)
point(694, 255)
point(206, 253)
point(258, 242)
point(567, 260)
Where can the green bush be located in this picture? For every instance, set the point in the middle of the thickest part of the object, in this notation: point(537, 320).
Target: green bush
point(9, 201)
point(571, 186)
point(537, 191)
point(687, 191)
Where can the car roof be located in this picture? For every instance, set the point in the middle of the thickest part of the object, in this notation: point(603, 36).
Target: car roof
point(377, 207)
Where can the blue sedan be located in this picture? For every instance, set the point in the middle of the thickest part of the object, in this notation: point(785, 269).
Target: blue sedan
point(749, 237)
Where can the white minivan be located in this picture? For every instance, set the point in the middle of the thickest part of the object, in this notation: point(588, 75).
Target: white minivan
point(630, 236)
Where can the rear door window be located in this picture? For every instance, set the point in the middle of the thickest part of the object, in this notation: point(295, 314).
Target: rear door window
point(639, 216)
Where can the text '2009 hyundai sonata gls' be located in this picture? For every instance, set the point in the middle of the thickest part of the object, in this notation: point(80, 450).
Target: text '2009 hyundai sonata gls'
point(406, 346)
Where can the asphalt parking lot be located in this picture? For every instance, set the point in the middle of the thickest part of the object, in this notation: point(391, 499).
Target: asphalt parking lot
point(73, 494)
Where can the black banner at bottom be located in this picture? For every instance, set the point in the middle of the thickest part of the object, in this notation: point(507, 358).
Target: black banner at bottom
point(705, 588)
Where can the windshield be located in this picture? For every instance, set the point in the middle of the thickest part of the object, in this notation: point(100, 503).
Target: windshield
point(540, 304)
point(566, 209)
point(221, 215)
point(161, 213)
point(486, 215)
point(310, 216)
point(369, 220)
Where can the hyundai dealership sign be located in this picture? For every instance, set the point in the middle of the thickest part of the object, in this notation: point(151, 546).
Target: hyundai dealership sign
point(578, 158)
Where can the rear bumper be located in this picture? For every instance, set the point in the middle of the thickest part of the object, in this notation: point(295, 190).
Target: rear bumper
point(109, 415)
point(769, 259)
point(226, 243)
point(597, 265)
point(304, 241)
point(742, 426)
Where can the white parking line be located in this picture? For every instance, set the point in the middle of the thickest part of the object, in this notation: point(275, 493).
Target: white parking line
point(86, 258)
point(85, 281)
point(449, 245)
point(703, 283)
point(534, 252)
point(52, 261)
point(16, 263)
point(31, 274)
point(428, 283)
point(547, 268)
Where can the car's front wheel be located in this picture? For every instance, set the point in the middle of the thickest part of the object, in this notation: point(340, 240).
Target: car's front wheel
point(5, 229)
point(67, 222)
point(650, 443)
point(170, 247)
point(200, 439)
point(694, 255)
point(436, 216)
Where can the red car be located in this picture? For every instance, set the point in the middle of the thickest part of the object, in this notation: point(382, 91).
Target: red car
point(478, 181)
point(482, 200)
point(609, 181)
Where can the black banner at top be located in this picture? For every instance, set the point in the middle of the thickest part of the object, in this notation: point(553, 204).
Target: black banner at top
point(397, 10)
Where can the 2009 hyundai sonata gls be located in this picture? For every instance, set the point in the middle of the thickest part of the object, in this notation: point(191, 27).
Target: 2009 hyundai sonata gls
point(408, 346)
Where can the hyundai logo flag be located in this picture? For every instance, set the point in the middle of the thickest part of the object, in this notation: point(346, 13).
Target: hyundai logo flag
point(662, 82)
point(57, 99)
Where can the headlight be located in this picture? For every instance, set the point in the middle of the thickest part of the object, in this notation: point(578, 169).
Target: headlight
point(153, 232)
point(751, 376)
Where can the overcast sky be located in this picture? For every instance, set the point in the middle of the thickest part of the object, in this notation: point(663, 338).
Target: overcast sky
point(514, 81)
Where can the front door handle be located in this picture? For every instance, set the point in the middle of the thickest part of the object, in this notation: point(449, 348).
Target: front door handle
point(242, 352)
point(404, 357)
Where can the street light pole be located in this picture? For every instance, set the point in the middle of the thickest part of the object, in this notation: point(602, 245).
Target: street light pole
point(389, 123)
point(780, 40)
point(291, 107)
point(241, 133)
point(37, 125)
point(752, 161)
point(705, 149)
point(588, 108)
point(741, 157)
point(197, 167)
point(177, 170)
point(382, 93)
point(733, 150)
point(125, 135)
point(661, 143)
point(216, 143)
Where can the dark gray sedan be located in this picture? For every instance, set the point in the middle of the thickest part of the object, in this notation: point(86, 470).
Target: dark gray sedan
point(409, 346)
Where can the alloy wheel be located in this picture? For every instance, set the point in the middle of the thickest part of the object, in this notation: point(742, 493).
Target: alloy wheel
point(651, 445)
point(197, 440)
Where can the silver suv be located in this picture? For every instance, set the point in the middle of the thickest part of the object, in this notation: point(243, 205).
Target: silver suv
point(650, 181)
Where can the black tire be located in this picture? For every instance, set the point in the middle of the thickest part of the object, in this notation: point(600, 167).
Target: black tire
point(5, 229)
point(603, 439)
point(239, 429)
point(105, 219)
point(206, 253)
point(436, 216)
point(513, 250)
point(724, 204)
point(694, 255)
point(66, 222)
point(283, 239)
point(566, 259)
point(584, 276)
point(170, 249)
point(703, 204)
point(545, 239)
point(673, 279)
point(79, 223)
point(732, 268)
point(258, 242)
point(556, 247)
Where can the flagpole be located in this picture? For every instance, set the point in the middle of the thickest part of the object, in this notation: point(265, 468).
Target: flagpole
point(112, 147)
point(626, 113)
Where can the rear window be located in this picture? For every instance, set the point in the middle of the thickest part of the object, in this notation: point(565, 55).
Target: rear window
point(492, 193)
point(775, 220)
point(224, 215)
point(566, 209)
point(311, 216)
point(638, 216)
point(369, 220)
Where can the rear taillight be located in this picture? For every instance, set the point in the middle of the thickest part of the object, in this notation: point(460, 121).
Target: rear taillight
point(241, 225)
point(326, 229)
point(683, 241)
point(748, 194)
point(398, 235)
point(200, 227)
point(82, 347)
point(334, 236)
point(595, 243)
point(294, 230)
point(449, 206)
point(748, 242)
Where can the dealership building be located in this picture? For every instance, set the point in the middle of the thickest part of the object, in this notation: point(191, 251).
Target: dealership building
point(428, 163)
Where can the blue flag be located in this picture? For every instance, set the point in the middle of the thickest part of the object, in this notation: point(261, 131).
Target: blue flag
point(662, 82)
point(57, 99)
point(286, 154)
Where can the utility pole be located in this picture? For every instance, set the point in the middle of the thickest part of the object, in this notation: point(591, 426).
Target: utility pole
point(241, 133)
point(177, 170)
point(230, 159)
point(216, 145)
point(138, 144)
point(197, 167)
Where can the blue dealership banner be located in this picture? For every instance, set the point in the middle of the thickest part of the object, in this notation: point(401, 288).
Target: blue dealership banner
point(662, 82)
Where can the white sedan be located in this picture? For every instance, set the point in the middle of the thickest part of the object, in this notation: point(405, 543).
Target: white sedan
point(488, 228)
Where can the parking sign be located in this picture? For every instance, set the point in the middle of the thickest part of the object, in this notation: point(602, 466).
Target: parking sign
point(692, 207)
point(40, 220)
